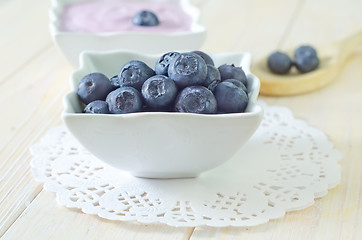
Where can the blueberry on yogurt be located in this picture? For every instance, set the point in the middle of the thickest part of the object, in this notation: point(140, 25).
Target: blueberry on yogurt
point(196, 99)
point(134, 74)
point(159, 92)
point(162, 64)
point(187, 69)
point(94, 86)
point(124, 100)
point(145, 18)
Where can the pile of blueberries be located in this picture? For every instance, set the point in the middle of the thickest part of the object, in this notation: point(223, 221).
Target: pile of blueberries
point(181, 82)
point(305, 60)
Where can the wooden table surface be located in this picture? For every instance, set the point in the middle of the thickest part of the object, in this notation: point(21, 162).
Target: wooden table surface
point(34, 78)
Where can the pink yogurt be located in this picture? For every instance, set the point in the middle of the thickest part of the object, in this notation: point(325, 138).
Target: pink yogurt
point(116, 16)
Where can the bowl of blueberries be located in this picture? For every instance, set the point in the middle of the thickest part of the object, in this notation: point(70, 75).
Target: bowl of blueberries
point(171, 115)
point(140, 25)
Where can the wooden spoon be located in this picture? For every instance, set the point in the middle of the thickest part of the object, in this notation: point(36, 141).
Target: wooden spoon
point(331, 57)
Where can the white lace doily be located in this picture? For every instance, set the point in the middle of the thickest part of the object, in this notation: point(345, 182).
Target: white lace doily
point(284, 166)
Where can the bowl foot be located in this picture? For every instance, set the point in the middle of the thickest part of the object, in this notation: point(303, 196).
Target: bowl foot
point(160, 175)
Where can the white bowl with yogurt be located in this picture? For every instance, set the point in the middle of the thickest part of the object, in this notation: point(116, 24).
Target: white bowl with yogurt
point(102, 25)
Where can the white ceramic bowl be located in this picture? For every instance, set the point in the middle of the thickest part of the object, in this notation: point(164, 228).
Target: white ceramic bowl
point(72, 44)
point(160, 144)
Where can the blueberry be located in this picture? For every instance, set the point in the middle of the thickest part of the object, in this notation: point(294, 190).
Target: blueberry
point(306, 59)
point(159, 92)
point(279, 62)
point(124, 100)
point(97, 106)
point(205, 56)
point(237, 83)
point(134, 74)
point(187, 69)
point(230, 98)
point(212, 78)
point(94, 86)
point(196, 99)
point(232, 72)
point(163, 62)
point(114, 81)
point(145, 18)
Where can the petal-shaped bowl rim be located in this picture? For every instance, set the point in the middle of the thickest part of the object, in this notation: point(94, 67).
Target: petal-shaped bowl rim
point(245, 62)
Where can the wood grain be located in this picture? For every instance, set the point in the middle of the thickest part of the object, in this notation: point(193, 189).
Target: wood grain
point(21, 129)
point(62, 223)
point(336, 215)
point(34, 78)
point(24, 34)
